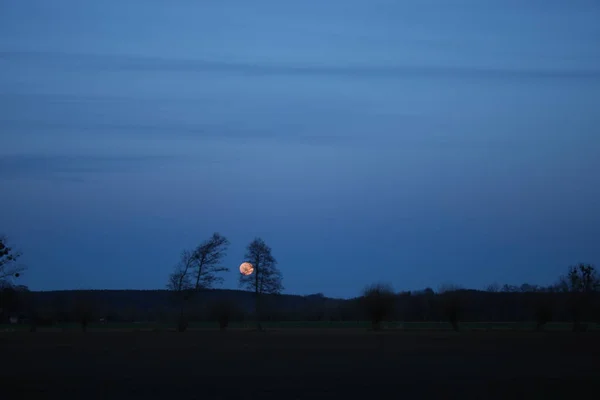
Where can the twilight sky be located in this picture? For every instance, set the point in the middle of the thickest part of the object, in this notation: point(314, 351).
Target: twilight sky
point(413, 142)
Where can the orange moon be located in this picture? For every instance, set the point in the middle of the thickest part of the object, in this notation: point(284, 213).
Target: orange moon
point(246, 268)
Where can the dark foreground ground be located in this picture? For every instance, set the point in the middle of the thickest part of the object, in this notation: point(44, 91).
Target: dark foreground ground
point(299, 365)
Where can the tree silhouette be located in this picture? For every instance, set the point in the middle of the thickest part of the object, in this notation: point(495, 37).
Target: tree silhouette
point(223, 311)
point(9, 268)
point(379, 300)
point(493, 288)
point(197, 270)
point(208, 256)
point(452, 303)
point(543, 311)
point(581, 282)
point(266, 279)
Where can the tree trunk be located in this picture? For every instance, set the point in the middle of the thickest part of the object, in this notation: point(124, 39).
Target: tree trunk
point(257, 309)
point(257, 295)
point(181, 322)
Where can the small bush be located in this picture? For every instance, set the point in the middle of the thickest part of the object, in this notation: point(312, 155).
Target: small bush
point(452, 308)
point(378, 300)
point(84, 310)
point(223, 312)
point(182, 324)
point(543, 315)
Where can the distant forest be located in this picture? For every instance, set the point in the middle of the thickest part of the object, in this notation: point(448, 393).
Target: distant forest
point(190, 297)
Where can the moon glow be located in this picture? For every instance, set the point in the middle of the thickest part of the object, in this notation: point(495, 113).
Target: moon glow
point(246, 268)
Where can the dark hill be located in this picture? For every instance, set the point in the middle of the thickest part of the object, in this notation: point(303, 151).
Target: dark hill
point(163, 305)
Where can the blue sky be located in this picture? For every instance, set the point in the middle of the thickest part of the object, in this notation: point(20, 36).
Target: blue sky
point(410, 142)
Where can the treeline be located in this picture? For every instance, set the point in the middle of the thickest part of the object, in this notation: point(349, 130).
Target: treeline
point(453, 306)
point(191, 298)
point(575, 297)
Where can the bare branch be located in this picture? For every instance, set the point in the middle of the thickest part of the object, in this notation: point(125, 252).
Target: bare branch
point(9, 267)
point(207, 256)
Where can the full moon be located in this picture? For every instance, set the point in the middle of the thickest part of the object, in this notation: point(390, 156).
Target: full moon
point(246, 268)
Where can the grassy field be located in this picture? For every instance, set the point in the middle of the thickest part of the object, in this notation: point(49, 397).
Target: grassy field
point(404, 326)
point(299, 364)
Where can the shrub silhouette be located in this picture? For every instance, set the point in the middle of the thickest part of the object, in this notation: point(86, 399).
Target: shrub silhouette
point(223, 312)
point(84, 311)
point(452, 308)
point(182, 323)
point(581, 283)
point(451, 302)
point(543, 314)
point(378, 300)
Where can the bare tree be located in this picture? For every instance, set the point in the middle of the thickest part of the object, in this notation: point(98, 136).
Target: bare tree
point(208, 256)
point(583, 278)
point(493, 288)
point(9, 267)
point(180, 280)
point(266, 279)
point(509, 288)
point(581, 282)
point(379, 300)
point(180, 283)
point(452, 304)
point(197, 270)
point(528, 288)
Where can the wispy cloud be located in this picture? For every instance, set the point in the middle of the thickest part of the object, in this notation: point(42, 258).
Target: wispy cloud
point(140, 63)
point(72, 168)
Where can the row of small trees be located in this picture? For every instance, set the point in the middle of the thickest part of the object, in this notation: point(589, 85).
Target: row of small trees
point(201, 268)
point(580, 287)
